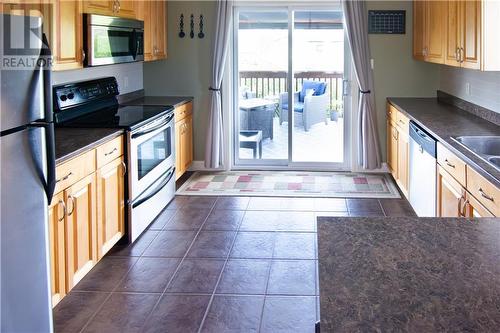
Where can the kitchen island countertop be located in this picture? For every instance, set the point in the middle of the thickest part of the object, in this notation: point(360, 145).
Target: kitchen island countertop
point(409, 274)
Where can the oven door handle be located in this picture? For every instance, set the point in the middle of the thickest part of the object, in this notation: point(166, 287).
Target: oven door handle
point(168, 175)
point(154, 128)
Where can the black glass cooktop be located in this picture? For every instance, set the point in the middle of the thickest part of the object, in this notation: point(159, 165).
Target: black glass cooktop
point(126, 117)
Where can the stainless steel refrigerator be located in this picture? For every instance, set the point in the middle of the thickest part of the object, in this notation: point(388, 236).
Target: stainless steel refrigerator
point(27, 165)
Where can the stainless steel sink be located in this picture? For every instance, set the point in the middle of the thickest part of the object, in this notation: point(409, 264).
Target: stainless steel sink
point(486, 147)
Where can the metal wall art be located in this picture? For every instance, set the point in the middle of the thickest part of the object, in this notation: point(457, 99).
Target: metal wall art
point(182, 34)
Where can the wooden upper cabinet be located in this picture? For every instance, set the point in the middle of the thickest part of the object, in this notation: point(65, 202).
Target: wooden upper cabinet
point(110, 205)
point(471, 34)
point(452, 56)
point(118, 8)
point(429, 30)
point(66, 39)
point(81, 243)
point(435, 31)
point(57, 245)
point(154, 14)
point(161, 30)
point(419, 10)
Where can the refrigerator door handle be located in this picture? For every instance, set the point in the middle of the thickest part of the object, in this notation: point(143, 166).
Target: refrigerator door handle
point(51, 160)
point(47, 79)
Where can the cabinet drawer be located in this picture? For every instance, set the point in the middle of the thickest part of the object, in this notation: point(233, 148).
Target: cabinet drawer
point(72, 171)
point(392, 113)
point(403, 122)
point(183, 111)
point(109, 151)
point(451, 163)
point(484, 191)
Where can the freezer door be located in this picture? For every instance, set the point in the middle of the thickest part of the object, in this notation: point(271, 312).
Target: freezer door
point(25, 284)
point(22, 86)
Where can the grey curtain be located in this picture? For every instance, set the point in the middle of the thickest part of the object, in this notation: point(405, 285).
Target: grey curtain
point(214, 149)
point(356, 21)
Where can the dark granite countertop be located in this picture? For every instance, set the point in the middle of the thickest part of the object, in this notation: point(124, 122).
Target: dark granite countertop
point(409, 274)
point(159, 100)
point(71, 142)
point(444, 121)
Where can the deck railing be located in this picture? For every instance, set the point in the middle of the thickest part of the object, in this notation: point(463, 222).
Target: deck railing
point(269, 83)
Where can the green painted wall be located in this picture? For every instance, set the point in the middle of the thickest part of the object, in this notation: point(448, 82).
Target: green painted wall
point(187, 69)
point(396, 73)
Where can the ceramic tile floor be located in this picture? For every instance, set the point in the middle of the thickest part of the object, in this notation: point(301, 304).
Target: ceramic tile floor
point(214, 265)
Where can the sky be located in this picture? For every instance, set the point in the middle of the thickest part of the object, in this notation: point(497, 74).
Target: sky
point(314, 50)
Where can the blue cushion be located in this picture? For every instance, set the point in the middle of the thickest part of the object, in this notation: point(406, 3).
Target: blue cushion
point(297, 106)
point(319, 89)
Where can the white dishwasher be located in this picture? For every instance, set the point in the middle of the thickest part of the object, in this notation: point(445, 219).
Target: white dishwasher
point(423, 168)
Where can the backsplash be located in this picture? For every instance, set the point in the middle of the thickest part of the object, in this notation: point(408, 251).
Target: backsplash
point(129, 76)
point(483, 89)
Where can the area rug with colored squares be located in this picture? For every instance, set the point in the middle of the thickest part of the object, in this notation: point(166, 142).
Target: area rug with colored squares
point(290, 184)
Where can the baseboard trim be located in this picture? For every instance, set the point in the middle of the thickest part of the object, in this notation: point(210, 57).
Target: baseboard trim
point(200, 166)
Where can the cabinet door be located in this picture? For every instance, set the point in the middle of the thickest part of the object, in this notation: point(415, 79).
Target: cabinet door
point(392, 149)
point(178, 152)
point(110, 205)
point(149, 31)
point(403, 162)
point(471, 27)
point(435, 28)
point(450, 196)
point(187, 143)
point(66, 41)
point(419, 10)
point(81, 254)
point(126, 8)
point(103, 7)
point(454, 33)
point(160, 30)
point(57, 212)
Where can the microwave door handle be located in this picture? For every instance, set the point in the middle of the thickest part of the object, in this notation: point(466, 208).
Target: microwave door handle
point(135, 44)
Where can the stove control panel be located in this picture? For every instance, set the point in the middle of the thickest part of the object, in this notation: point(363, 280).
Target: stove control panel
point(74, 94)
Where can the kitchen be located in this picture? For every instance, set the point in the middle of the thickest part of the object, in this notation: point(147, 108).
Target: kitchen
point(99, 177)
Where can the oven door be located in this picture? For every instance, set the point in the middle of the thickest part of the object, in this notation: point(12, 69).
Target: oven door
point(151, 153)
point(111, 45)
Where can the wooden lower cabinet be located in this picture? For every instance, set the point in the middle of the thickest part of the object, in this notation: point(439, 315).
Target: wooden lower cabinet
point(110, 205)
point(475, 208)
point(392, 148)
point(403, 162)
point(57, 232)
point(86, 216)
point(183, 140)
point(81, 243)
point(450, 196)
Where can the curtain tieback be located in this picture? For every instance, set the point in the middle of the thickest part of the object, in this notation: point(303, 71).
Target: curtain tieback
point(213, 89)
point(364, 91)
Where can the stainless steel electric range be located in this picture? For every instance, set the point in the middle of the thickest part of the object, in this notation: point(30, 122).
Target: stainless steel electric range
point(150, 142)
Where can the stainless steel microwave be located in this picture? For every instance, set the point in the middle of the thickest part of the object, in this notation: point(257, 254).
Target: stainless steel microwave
point(112, 40)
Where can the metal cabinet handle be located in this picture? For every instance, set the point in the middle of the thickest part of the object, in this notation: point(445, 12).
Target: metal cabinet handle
point(457, 56)
point(72, 205)
point(462, 52)
point(449, 164)
point(61, 202)
point(486, 196)
point(83, 55)
point(459, 206)
point(124, 168)
point(119, 5)
point(64, 178)
point(464, 207)
point(111, 152)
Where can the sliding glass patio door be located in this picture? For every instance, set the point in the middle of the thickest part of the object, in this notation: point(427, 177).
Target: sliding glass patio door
point(289, 67)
